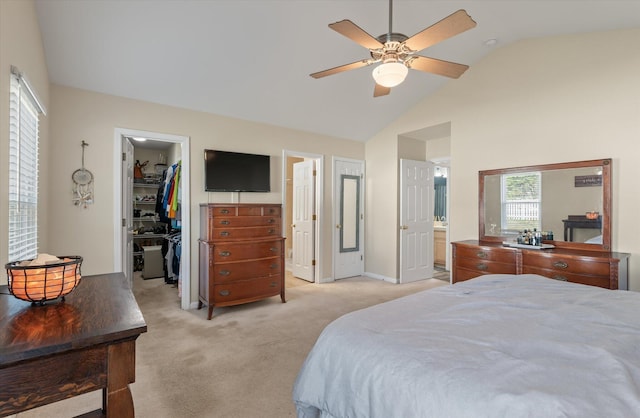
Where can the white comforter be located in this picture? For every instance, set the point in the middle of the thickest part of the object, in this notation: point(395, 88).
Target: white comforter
point(495, 346)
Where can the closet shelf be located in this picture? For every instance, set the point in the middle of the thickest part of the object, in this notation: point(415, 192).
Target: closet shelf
point(148, 236)
point(146, 185)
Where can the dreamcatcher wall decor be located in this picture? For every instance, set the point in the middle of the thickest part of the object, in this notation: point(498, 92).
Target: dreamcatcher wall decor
point(82, 184)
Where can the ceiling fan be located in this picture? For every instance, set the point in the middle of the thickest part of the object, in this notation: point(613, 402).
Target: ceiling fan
point(397, 52)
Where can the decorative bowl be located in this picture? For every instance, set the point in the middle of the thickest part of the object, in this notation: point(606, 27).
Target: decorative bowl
point(592, 215)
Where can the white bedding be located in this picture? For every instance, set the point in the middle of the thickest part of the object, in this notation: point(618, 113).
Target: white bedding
point(494, 346)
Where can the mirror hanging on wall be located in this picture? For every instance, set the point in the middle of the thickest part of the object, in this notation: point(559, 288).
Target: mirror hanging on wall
point(349, 210)
point(568, 203)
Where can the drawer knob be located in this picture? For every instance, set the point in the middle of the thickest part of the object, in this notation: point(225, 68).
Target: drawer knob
point(272, 231)
point(225, 272)
point(224, 234)
point(224, 253)
point(224, 222)
point(560, 265)
point(273, 284)
point(271, 221)
point(225, 211)
point(274, 249)
point(482, 267)
point(481, 254)
point(561, 278)
point(224, 293)
point(274, 265)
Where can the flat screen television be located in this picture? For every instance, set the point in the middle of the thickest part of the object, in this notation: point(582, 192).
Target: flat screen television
point(226, 171)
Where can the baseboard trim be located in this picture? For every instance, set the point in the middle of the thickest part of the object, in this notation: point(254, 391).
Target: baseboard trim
point(381, 277)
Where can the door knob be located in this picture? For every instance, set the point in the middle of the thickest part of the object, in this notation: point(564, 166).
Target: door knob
point(339, 226)
point(404, 227)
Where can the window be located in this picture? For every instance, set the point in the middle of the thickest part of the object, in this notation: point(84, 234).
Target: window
point(24, 110)
point(521, 201)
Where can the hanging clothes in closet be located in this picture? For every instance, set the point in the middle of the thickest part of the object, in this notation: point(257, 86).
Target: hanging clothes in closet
point(171, 201)
point(172, 252)
point(169, 209)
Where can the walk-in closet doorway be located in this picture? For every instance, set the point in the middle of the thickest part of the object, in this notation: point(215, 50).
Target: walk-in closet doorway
point(124, 143)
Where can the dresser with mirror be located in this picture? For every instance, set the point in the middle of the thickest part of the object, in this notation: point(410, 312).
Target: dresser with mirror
point(567, 205)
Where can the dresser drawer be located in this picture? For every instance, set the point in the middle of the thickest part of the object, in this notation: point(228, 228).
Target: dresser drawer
point(223, 234)
point(236, 221)
point(230, 210)
point(600, 281)
point(230, 251)
point(485, 267)
point(464, 274)
point(502, 255)
point(241, 270)
point(566, 264)
point(246, 290)
point(266, 210)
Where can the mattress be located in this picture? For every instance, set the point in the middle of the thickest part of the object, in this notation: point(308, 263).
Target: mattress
point(494, 346)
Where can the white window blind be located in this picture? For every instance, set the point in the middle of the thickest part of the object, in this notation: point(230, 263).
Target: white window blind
point(24, 110)
point(521, 201)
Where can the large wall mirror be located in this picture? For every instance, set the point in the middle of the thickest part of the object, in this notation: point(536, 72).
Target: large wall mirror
point(570, 203)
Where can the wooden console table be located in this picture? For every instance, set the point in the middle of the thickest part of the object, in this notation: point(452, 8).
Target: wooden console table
point(63, 349)
point(579, 221)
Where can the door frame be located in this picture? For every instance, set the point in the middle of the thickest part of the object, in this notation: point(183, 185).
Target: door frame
point(335, 193)
point(319, 204)
point(185, 265)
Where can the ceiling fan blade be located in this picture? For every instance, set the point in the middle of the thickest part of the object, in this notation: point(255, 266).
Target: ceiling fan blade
point(436, 66)
point(381, 90)
point(356, 34)
point(451, 25)
point(346, 67)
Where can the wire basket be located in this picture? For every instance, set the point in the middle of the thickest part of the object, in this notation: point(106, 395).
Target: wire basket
point(41, 283)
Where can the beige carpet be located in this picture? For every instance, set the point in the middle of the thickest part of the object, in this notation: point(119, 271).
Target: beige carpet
point(243, 362)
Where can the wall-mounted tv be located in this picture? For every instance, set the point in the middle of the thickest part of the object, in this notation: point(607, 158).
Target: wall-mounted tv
point(226, 171)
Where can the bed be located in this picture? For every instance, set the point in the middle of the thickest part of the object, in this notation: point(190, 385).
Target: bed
point(494, 346)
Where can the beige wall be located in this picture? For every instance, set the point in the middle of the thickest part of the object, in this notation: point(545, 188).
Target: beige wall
point(21, 46)
point(381, 195)
point(439, 149)
point(567, 98)
point(93, 117)
point(412, 149)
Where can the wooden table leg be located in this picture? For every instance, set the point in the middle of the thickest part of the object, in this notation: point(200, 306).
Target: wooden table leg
point(116, 398)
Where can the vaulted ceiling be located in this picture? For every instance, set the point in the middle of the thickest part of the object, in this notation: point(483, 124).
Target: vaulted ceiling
point(252, 59)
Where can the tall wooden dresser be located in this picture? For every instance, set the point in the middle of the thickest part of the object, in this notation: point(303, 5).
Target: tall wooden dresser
point(241, 254)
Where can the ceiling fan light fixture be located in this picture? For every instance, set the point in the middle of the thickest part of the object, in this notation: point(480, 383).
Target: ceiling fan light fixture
point(390, 74)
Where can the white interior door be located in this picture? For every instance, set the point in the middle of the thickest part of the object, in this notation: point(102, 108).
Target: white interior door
point(348, 243)
point(416, 220)
point(127, 209)
point(303, 220)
